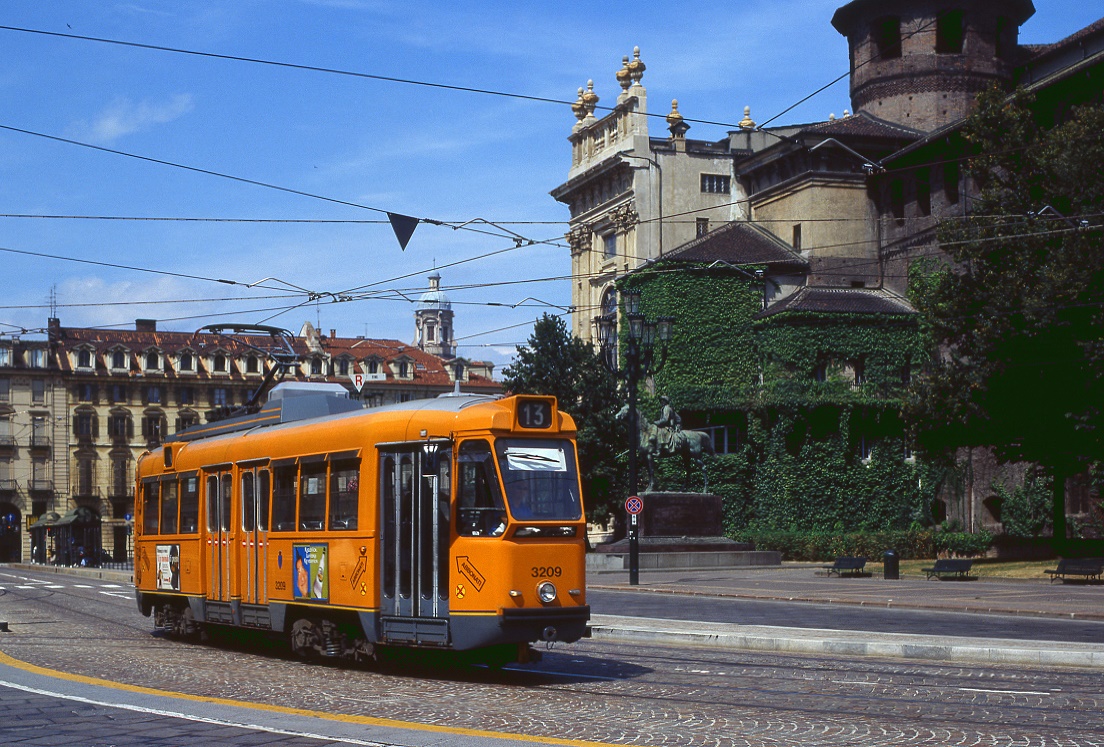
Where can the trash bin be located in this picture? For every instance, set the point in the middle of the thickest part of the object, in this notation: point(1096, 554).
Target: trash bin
point(891, 564)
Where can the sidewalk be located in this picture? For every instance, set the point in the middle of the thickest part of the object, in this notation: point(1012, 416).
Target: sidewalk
point(799, 583)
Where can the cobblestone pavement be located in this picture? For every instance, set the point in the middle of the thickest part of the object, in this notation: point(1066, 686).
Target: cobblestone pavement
point(592, 691)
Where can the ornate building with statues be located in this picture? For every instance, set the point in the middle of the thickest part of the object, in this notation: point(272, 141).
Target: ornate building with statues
point(818, 222)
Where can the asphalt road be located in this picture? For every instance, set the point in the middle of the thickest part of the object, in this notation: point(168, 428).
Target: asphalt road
point(587, 693)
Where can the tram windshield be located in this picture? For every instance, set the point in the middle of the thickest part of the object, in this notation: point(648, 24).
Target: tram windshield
point(540, 479)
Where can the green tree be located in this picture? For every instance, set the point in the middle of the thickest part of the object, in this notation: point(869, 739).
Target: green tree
point(1018, 313)
point(554, 362)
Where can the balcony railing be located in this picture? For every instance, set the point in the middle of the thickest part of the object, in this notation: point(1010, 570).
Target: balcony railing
point(86, 492)
point(8, 484)
point(7, 442)
point(41, 486)
point(40, 442)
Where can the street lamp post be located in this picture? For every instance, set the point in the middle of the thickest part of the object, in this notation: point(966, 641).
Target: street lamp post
point(645, 352)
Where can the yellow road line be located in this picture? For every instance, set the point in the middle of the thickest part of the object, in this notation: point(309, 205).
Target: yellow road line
point(7, 660)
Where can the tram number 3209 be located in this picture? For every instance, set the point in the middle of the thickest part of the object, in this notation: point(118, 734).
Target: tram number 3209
point(547, 571)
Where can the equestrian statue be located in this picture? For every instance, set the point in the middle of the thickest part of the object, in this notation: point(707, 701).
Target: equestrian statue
point(665, 438)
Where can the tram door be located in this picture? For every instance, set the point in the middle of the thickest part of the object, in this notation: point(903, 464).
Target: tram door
point(219, 487)
point(255, 492)
point(415, 491)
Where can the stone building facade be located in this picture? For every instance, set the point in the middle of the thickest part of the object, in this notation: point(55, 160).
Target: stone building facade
point(79, 408)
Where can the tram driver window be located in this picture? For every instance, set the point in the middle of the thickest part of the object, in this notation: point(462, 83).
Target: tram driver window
point(344, 494)
point(480, 508)
point(312, 496)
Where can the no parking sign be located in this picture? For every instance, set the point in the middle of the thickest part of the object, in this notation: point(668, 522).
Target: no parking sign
point(634, 505)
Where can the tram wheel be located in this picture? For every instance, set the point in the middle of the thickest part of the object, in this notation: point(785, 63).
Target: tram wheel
point(306, 638)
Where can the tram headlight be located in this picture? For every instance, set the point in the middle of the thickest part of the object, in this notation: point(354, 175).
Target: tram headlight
point(546, 592)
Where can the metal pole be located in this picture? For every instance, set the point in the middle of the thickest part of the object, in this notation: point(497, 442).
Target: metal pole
point(632, 358)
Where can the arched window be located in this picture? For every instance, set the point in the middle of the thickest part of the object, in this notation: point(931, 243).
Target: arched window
point(220, 363)
point(187, 363)
point(152, 361)
point(118, 359)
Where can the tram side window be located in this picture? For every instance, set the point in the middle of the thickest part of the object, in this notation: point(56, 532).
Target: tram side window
point(264, 488)
point(283, 499)
point(212, 503)
point(168, 507)
point(480, 509)
point(150, 509)
point(189, 505)
point(312, 497)
point(344, 494)
point(227, 485)
point(249, 502)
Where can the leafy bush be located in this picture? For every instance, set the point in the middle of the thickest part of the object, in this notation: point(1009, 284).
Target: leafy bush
point(913, 543)
point(1025, 510)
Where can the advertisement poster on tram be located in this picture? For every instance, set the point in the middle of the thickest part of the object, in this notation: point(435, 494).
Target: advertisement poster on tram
point(168, 567)
point(311, 572)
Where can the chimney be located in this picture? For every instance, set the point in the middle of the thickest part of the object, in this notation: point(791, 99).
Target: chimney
point(145, 325)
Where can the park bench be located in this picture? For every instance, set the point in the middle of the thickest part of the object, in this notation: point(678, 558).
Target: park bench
point(1083, 569)
point(957, 569)
point(847, 566)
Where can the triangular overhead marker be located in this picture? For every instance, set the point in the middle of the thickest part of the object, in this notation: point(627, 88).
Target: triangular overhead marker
point(403, 226)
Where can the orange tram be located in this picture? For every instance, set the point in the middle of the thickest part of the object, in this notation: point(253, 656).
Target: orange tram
point(451, 523)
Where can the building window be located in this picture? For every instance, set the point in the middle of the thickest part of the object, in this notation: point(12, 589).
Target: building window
point(5, 357)
point(886, 34)
point(85, 425)
point(38, 358)
point(251, 365)
point(404, 370)
point(1002, 46)
point(153, 428)
point(187, 362)
point(153, 362)
point(5, 390)
point(796, 237)
point(118, 359)
point(949, 32)
point(316, 366)
point(120, 485)
point(859, 367)
point(84, 359)
point(373, 367)
point(118, 393)
point(820, 373)
point(609, 244)
point(702, 226)
point(38, 391)
point(219, 364)
point(185, 395)
point(186, 420)
point(715, 184)
point(343, 367)
point(153, 395)
point(431, 333)
point(86, 392)
point(219, 397)
point(866, 448)
point(118, 427)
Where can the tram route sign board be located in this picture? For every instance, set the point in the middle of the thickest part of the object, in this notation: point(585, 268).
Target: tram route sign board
point(634, 505)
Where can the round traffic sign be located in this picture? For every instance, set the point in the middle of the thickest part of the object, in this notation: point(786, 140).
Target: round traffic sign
point(634, 505)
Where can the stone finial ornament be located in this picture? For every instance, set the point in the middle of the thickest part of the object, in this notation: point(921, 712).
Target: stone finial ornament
point(590, 99)
point(636, 67)
point(624, 78)
point(747, 123)
point(579, 107)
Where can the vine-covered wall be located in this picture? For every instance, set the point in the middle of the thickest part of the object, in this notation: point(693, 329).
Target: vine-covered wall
point(817, 451)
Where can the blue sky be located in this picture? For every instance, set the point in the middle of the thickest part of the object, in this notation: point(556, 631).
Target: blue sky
point(446, 155)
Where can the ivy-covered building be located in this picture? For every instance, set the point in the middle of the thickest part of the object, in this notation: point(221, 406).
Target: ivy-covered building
point(784, 254)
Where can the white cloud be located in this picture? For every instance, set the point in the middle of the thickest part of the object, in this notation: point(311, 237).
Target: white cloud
point(125, 117)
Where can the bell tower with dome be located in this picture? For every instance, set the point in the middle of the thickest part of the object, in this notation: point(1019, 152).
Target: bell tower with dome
point(433, 321)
